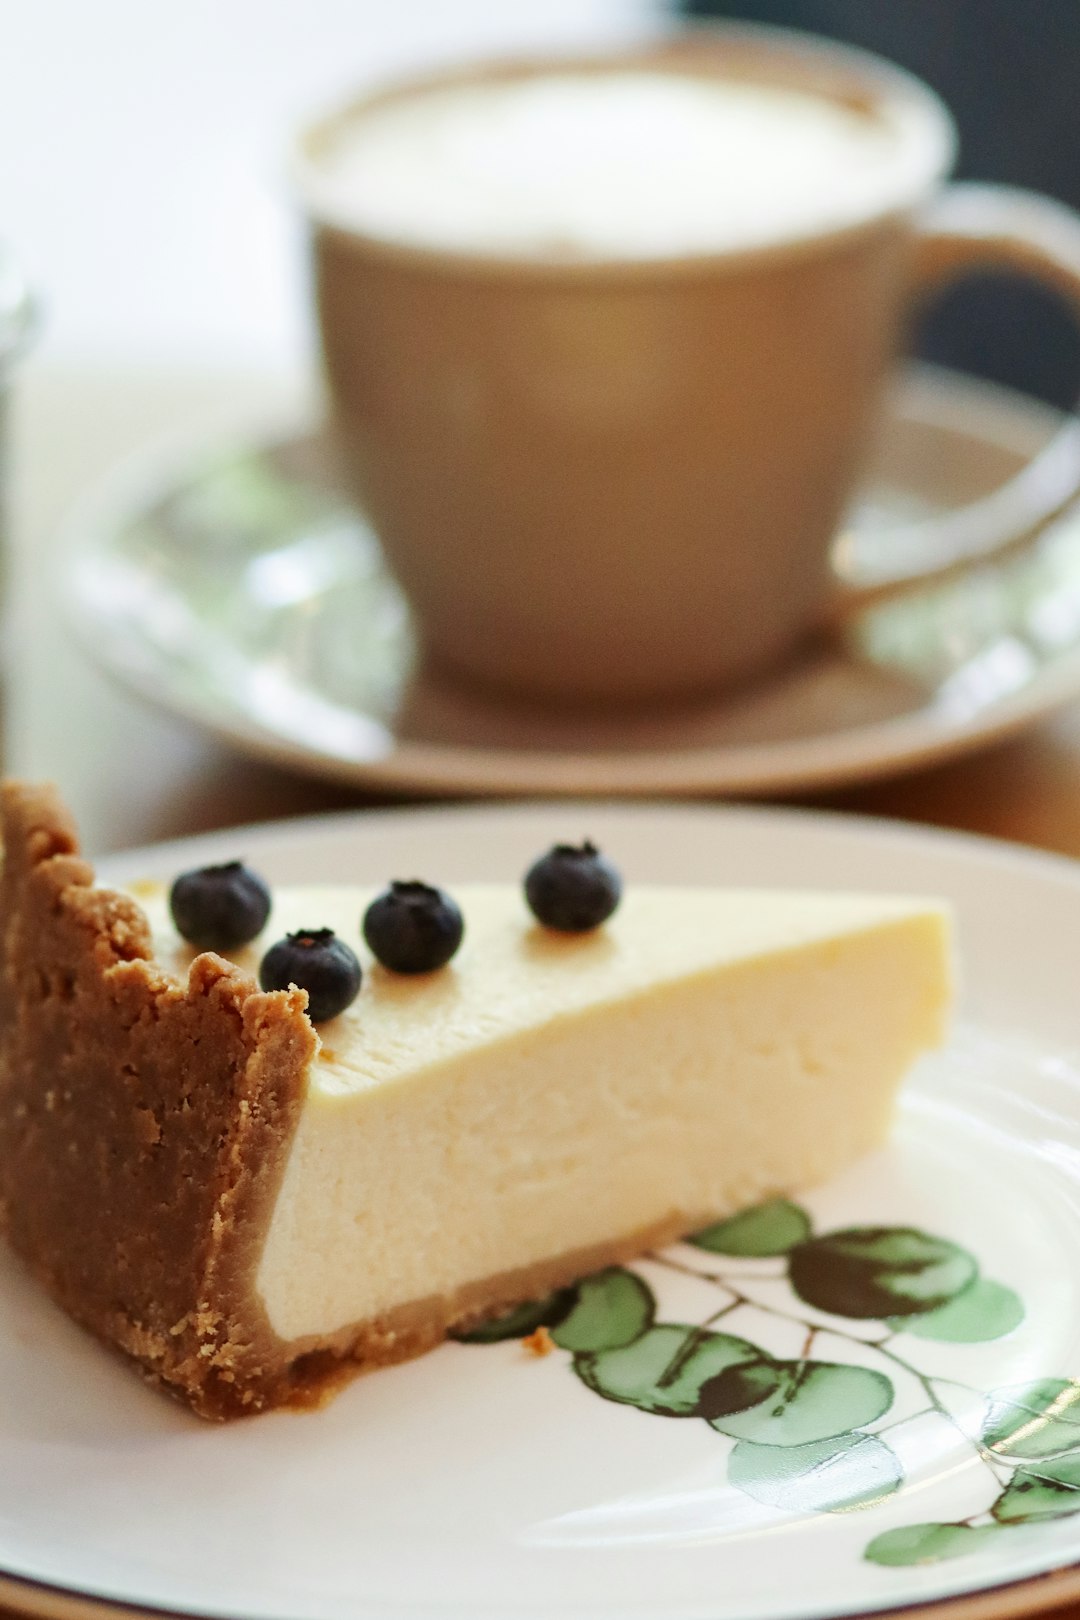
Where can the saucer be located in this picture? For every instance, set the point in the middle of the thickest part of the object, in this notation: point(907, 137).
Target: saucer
point(235, 584)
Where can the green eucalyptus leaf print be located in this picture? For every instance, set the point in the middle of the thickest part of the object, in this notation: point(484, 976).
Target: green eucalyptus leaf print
point(827, 1476)
point(1034, 1420)
point(984, 1310)
point(1046, 1490)
point(522, 1320)
point(612, 1309)
point(665, 1370)
point(757, 1234)
point(879, 1272)
point(801, 1431)
point(927, 1543)
point(794, 1403)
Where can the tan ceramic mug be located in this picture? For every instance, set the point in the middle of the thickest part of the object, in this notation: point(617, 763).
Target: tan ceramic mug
point(622, 477)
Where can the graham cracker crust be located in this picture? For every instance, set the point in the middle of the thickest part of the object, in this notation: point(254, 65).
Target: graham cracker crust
point(144, 1130)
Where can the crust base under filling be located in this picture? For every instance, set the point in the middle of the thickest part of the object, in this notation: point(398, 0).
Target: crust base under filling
point(144, 1128)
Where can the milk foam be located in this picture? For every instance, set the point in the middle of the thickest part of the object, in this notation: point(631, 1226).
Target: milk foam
point(625, 163)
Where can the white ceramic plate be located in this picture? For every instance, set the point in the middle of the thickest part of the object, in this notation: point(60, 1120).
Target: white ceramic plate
point(485, 1482)
point(234, 584)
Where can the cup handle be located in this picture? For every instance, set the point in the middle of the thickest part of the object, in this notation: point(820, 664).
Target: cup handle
point(973, 227)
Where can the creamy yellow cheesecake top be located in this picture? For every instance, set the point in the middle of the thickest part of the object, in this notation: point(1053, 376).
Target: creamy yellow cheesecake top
point(512, 975)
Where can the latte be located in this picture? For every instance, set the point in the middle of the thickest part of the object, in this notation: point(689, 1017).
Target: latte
point(631, 163)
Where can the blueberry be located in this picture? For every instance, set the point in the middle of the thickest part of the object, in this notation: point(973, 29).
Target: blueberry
point(219, 907)
point(413, 928)
point(315, 960)
point(572, 888)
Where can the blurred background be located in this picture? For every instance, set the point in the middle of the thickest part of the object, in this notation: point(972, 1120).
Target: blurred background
point(140, 152)
point(141, 184)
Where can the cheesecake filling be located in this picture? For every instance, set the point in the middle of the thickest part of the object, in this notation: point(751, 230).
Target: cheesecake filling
point(545, 1094)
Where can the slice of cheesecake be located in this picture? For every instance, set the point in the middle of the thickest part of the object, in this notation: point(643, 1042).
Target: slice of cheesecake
point(254, 1209)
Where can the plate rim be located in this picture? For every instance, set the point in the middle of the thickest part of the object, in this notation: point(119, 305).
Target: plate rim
point(41, 1600)
point(858, 754)
point(1007, 852)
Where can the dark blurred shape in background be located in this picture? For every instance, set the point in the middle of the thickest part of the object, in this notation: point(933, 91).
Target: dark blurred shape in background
point(1010, 72)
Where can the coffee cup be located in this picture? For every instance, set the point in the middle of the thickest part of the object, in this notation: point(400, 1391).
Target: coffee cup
point(606, 341)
